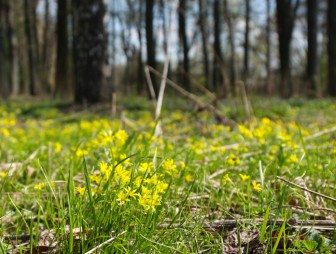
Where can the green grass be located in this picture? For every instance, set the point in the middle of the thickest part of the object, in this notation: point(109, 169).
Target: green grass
point(72, 180)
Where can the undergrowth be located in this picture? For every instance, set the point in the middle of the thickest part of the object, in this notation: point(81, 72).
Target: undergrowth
point(71, 182)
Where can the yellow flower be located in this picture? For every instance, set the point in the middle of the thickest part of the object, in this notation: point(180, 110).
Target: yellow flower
point(188, 178)
point(81, 152)
point(233, 160)
point(105, 169)
point(256, 186)
point(5, 132)
point(293, 159)
point(244, 177)
point(226, 178)
point(169, 167)
point(80, 190)
point(122, 197)
point(131, 193)
point(58, 147)
point(3, 175)
point(161, 187)
point(245, 131)
point(138, 181)
point(95, 179)
point(121, 137)
point(39, 186)
point(150, 201)
point(145, 167)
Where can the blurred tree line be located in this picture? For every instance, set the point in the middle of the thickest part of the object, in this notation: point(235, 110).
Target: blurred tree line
point(89, 49)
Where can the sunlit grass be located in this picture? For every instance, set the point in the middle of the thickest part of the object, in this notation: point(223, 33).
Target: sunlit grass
point(90, 177)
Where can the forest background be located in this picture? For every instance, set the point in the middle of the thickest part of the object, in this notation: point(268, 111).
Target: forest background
point(88, 50)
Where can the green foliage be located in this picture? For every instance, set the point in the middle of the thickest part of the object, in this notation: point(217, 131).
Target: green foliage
point(86, 179)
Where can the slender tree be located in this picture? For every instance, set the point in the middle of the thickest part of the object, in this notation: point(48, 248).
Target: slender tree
point(151, 51)
point(269, 88)
point(140, 72)
point(231, 36)
point(46, 46)
point(331, 27)
point(311, 69)
point(89, 46)
point(218, 62)
point(61, 78)
point(32, 59)
point(184, 43)
point(286, 13)
point(204, 36)
point(4, 82)
point(247, 42)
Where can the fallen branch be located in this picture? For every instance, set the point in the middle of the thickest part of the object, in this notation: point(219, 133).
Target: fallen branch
point(321, 133)
point(230, 224)
point(306, 189)
point(106, 242)
point(223, 119)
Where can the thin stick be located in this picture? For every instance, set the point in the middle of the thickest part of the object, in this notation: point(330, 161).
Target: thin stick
point(166, 64)
point(194, 98)
point(150, 83)
point(305, 189)
point(114, 104)
point(321, 133)
point(158, 129)
point(108, 241)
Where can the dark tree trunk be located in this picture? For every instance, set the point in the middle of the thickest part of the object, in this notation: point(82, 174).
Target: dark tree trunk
point(12, 49)
point(228, 19)
point(4, 82)
point(247, 42)
point(89, 46)
point(268, 87)
point(203, 25)
point(312, 6)
point(140, 63)
point(151, 55)
point(184, 44)
point(61, 79)
point(286, 14)
point(217, 77)
point(45, 55)
point(331, 24)
point(30, 45)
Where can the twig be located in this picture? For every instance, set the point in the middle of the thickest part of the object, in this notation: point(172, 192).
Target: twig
point(158, 129)
point(233, 223)
point(321, 133)
point(150, 83)
point(305, 189)
point(194, 98)
point(102, 244)
point(246, 102)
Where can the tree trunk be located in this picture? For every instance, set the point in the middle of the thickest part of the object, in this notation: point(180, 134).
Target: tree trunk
point(227, 16)
point(268, 87)
point(140, 65)
point(45, 54)
point(30, 46)
point(286, 14)
point(312, 6)
point(247, 43)
point(61, 79)
point(89, 46)
point(184, 44)
point(203, 25)
point(331, 25)
point(4, 82)
point(151, 55)
point(217, 77)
